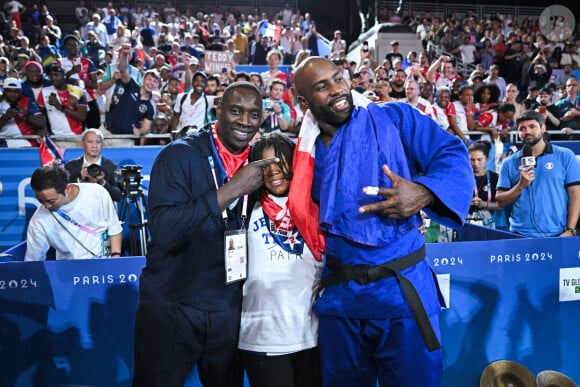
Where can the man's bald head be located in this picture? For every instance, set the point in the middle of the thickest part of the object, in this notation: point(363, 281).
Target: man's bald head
point(304, 70)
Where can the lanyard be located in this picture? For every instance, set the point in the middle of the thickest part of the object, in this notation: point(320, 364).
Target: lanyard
point(488, 188)
point(224, 212)
point(66, 217)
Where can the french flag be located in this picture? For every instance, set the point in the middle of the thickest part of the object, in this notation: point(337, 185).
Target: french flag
point(305, 212)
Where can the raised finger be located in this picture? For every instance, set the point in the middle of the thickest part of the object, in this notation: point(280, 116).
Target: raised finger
point(265, 162)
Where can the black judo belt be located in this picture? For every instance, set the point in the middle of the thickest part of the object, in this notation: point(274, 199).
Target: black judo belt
point(363, 275)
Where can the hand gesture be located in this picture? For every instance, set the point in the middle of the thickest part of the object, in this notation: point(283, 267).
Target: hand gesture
point(403, 200)
point(251, 176)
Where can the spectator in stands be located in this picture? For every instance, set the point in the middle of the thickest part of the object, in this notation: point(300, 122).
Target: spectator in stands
point(92, 166)
point(486, 54)
point(160, 126)
point(111, 22)
point(65, 107)
point(446, 77)
point(413, 98)
point(93, 49)
point(35, 80)
point(545, 198)
point(275, 112)
point(242, 46)
point(496, 122)
point(52, 31)
point(337, 45)
point(511, 96)
point(383, 90)
point(77, 220)
point(493, 78)
point(274, 59)
point(191, 109)
point(398, 85)
point(212, 84)
point(570, 56)
point(131, 110)
point(47, 51)
point(531, 102)
point(148, 34)
point(512, 62)
point(259, 50)
point(82, 72)
point(422, 32)
point(256, 80)
point(468, 52)
point(562, 78)
point(539, 72)
point(486, 97)
point(440, 107)
point(98, 29)
point(19, 115)
point(551, 114)
point(394, 53)
point(461, 114)
point(570, 107)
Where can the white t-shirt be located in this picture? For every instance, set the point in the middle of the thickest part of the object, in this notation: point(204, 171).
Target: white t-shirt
point(93, 212)
point(192, 115)
point(277, 313)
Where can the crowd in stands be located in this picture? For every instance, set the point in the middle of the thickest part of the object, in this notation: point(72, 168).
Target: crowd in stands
point(146, 70)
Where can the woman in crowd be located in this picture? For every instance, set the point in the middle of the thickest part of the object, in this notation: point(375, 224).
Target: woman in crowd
point(279, 332)
point(486, 97)
point(511, 95)
point(483, 203)
point(382, 90)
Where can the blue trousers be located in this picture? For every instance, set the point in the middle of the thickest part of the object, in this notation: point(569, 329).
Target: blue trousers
point(171, 338)
point(358, 352)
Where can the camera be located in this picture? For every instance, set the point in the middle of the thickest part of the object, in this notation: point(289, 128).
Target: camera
point(94, 170)
point(129, 177)
point(365, 46)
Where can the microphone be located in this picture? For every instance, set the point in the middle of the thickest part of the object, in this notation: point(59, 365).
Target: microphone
point(528, 159)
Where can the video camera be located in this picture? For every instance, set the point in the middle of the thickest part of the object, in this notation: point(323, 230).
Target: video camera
point(129, 178)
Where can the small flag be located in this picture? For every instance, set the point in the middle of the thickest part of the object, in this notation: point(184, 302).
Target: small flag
point(50, 153)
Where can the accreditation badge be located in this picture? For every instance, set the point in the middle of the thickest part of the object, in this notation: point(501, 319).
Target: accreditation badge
point(236, 255)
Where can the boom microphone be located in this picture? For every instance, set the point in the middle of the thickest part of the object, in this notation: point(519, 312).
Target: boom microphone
point(528, 159)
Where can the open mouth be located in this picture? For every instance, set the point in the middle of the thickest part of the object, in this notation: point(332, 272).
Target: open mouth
point(340, 104)
point(242, 135)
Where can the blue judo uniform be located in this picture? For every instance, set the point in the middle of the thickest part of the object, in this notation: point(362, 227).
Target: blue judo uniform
point(367, 331)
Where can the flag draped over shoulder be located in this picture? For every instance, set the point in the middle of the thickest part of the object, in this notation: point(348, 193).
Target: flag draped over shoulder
point(304, 210)
point(50, 153)
point(353, 161)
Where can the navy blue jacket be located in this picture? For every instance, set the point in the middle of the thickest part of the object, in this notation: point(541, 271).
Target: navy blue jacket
point(185, 259)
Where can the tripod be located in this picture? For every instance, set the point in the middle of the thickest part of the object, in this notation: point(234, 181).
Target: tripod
point(132, 208)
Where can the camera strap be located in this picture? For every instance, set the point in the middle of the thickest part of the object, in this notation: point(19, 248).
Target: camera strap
point(68, 218)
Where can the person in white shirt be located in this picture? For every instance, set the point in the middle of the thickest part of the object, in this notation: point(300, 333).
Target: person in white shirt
point(412, 91)
point(278, 331)
point(77, 220)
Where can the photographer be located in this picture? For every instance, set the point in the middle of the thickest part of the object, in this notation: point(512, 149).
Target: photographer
point(92, 167)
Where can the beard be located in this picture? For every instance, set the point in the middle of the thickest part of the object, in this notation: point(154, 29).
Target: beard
point(533, 140)
point(331, 117)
